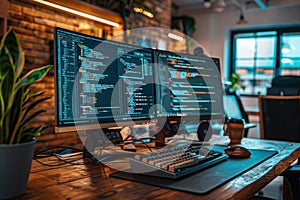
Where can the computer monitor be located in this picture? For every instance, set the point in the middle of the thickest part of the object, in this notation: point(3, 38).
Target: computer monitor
point(101, 81)
point(188, 86)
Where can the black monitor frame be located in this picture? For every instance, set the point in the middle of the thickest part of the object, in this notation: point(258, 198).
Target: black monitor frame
point(90, 124)
point(94, 124)
point(186, 117)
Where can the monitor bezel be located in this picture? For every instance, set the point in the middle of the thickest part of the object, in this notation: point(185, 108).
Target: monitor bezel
point(94, 124)
point(183, 117)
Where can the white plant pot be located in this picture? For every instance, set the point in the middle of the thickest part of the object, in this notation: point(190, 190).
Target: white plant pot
point(15, 164)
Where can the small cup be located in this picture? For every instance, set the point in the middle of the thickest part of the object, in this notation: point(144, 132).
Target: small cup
point(234, 128)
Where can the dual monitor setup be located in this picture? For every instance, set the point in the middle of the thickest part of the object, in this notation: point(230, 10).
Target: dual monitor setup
point(99, 81)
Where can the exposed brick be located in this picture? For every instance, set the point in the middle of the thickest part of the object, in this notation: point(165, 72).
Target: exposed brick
point(27, 45)
point(32, 12)
point(67, 135)
point(33, 60)
point(13, 22)
point(63, 25)
point(34, 25)
point(46, 137)
point(39, 145)
point(15, 8)
point(50, 143)
point(39, 47)
point(43, 35)
point(49, 79)
point(47, 22)
point(15, 15)
point(31, 38)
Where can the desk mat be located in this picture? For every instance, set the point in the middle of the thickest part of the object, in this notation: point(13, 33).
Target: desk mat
point(204, 181)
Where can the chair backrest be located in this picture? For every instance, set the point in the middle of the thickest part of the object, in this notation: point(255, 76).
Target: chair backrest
point(280, 117)
point(285, 85)
point(234, 108)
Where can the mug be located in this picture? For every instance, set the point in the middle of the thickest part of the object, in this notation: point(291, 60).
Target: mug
point(234, 128)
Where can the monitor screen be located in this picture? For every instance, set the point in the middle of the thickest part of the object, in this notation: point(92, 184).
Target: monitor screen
point(188, 85)
point(101, 81)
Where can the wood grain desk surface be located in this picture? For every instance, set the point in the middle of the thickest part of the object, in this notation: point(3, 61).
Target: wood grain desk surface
point(92, 181)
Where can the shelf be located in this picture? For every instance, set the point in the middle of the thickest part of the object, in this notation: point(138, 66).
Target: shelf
point(88, 9)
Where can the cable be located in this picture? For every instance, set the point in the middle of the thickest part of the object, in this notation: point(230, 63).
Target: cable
point(141, 140)
point(56, 147)
point(39, 154)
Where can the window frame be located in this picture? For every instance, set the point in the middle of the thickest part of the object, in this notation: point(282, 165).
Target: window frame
point(280, 31)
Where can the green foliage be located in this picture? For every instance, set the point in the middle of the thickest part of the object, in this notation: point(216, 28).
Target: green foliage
point(235, 80)
point(129, 3)
point(17, 101)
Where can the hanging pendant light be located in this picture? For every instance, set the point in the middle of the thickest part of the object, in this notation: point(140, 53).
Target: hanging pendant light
point(242, 21)
point(207, 3)
point(220, 5)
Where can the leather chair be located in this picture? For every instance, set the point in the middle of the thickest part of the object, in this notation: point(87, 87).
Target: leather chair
point(280, 120)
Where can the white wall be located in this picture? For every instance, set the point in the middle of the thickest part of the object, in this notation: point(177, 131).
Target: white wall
point(211, 29)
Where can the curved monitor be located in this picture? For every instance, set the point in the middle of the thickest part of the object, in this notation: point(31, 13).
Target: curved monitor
point(101, 81)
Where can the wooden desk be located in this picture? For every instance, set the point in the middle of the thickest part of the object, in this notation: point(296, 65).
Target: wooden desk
point(91, 181)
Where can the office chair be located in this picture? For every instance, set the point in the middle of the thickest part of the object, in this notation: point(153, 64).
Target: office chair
point(280, 120)
point(234, 108)
point(280, 117)
point(285, 86)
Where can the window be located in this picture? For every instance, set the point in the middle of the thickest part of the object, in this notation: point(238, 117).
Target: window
point(290, 54)
point(259, 55)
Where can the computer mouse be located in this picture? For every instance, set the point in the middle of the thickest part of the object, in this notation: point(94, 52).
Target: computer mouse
point(237, 152)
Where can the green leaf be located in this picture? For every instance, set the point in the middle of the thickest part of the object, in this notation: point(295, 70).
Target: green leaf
point(11, 43)
point(2, 103)
point(15, 114)
point(28, 99)
point(31, 116)
point(35, 129)
point(7, 74)
point(17, 105)
point(33, 104)
point(35, 75)
point(31, 132)
point(6, 128)
point(16, 108)
point(25, 96)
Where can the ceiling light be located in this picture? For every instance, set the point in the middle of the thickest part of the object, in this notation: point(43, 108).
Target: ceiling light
point(220, 5)
point(175, 37)
point(207, 3)
point(79, 13)
point(242, 20)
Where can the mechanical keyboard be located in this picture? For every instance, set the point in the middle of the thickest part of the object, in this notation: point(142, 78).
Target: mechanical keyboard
point(176, 161)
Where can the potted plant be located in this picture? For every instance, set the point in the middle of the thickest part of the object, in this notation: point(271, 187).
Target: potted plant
point(17, 103)
point(235, 83)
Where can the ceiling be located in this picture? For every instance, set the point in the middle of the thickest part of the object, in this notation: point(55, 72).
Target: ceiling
point(249, 5)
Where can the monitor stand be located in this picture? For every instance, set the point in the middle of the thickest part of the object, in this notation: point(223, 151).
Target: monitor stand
point(171, 128)
point(94, 139)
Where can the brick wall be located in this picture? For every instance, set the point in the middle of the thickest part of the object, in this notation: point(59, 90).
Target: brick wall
point(34, 24)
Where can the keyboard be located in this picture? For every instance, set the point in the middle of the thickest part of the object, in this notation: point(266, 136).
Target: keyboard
point(176, 161)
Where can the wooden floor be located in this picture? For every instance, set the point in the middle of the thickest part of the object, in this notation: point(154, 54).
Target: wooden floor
point(82, 180)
